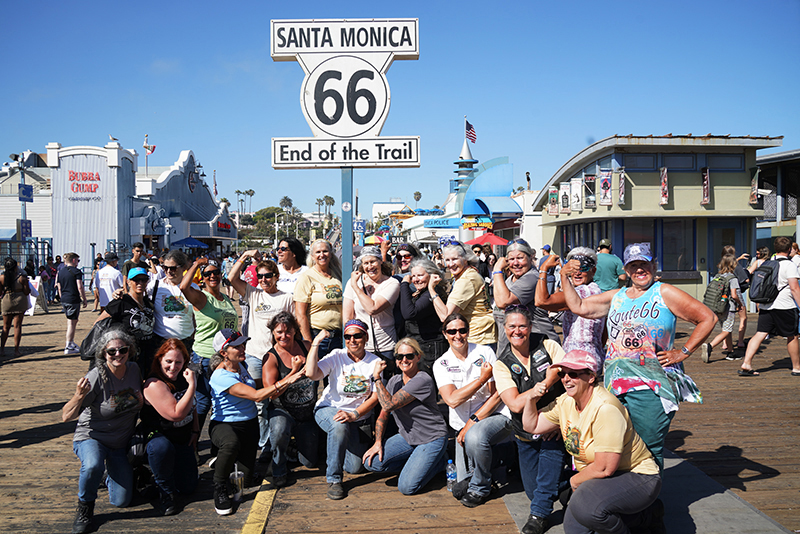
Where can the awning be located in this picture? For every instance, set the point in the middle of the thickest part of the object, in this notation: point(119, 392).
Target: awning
point(8, 234)
point(494, 206)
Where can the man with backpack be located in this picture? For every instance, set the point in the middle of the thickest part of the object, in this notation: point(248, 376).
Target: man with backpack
point(775, 288)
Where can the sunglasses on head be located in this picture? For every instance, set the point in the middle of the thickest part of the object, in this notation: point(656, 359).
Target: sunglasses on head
point(112, 351)
point(572, 374)
point(407, 355)
point(234, 337)
point(358, 335)
point(454, 331)
point(207, 274)
point(587, 263)
point(265, 275)
point(170, 268)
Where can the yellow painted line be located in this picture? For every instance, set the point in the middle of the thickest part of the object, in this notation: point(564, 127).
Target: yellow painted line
point(259, 511)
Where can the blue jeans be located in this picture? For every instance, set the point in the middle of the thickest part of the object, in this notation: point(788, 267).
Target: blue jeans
point(202, 394)
point(416, 464)
point(281, 427)
point(334, 341)
point(540, 465)
point(478, 446)
point(95, 459)
point(344, 444)
point(174, 467)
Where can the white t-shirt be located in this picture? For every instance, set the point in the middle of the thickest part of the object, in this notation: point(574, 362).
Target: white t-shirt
point(174, 314)
point(287, 280)
point(449, 369)
point(383, 322)
point(785, 301)
point(107, 280)
point(263, 307)
point(348, 384)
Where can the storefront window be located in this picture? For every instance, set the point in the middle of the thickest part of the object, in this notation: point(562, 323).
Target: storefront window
point(678, 245)
point(639, 231)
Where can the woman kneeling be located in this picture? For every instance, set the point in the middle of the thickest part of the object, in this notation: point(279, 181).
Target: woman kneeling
point(618, 480)
point(418, 451)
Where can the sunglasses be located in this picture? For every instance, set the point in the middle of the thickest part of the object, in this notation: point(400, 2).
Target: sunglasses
point(407, 355)
point(360, 335)
point(404, 256)
point(121, 350)
point(207, 274)
point(265, 275)
point(170, 268)
point(572, 374)
point(587, 263)
point(283, 249)
point(140, 280)
point(454, 331)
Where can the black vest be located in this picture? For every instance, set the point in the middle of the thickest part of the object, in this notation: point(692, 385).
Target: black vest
point(540, 361)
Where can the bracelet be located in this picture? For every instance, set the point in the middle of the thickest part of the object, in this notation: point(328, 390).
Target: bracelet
point(278, 385)
point(434, 296)
point(356, 413)
point(317, 345)
point(496, 272)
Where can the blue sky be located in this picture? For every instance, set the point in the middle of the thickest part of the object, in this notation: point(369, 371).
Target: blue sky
point(538, 80)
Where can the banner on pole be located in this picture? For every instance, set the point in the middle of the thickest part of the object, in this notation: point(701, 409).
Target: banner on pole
point(552, 201)
point(664, 187)
point(754, 186)
point(604, 179)
point(706, 186)
point(622, 177)
point(565, 193)
point(577, 194)
point(591, 198)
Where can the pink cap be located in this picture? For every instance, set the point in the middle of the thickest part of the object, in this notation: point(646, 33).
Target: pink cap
point(578, 359)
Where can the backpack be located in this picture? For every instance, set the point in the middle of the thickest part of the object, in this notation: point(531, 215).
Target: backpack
point(743, 276)
point(764, 282)
point(717, 295)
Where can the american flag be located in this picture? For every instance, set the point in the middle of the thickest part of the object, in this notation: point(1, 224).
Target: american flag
point(471, 135)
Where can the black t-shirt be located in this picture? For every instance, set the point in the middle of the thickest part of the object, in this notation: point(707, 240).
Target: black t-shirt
point(130, 264)
point(139, 322)
point(178, 432)
point(68, 278)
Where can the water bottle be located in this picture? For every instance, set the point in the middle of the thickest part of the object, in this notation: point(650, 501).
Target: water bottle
point(450, 471)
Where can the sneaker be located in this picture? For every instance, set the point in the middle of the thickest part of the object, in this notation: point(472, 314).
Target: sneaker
point(83, 518)
point(336, 491)
point(222, 503)
point(471, 500)
point(535, 525)
point(72, 350)
point(166, 503)
point(212, 461)
point(280, 481)
point(732, 357)
point(705, 352)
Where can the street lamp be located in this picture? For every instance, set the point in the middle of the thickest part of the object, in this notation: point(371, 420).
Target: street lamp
point(276, 226)
point(19, 160)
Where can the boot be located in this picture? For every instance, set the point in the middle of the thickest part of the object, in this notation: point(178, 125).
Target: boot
point(83, 518)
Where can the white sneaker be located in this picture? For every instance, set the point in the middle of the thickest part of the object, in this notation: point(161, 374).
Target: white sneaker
point(72, 349)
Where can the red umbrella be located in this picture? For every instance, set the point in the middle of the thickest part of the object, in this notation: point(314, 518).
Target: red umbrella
point(488, 238)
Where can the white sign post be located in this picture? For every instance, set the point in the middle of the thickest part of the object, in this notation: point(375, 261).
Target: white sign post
point(345, 99)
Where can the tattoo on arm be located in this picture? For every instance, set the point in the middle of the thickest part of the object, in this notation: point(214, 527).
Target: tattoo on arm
point(392, 402)
point(380, 424)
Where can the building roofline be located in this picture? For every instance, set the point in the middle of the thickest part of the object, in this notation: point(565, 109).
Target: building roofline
point(778, 157)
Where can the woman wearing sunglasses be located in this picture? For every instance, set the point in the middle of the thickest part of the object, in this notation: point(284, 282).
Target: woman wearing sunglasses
point(418, 451)
point(347, 401)
point(234, 426)
point(618, 481)
point(519, 367)
point(318, 297)
point(213, 311)
point(174, 315)
point(579, 332)
point(106, 402)
point(291, 263)
point(464, 377)
point(468, 295)
point(135, 312)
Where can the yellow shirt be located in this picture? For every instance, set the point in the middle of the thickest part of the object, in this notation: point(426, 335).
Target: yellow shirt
point(469, 294)
point(324, 298)
point(602, 426)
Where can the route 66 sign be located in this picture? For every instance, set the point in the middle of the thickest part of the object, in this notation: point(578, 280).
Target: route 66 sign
point(345, 94)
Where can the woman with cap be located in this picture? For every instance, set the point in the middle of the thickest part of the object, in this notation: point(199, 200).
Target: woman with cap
point(522, 365)
point(642, 367)
point(135, 312)
point(468, 295)
point(347, 401)
point(369, 297)
point(291, 263)
point(14, 291)
point(579, 333)
point(234, 426)
point(401, 266)
point(618, 481)
point(213, 312)
point(422, 323)
point(318, 297)
point(419, 448)
point(519, 288)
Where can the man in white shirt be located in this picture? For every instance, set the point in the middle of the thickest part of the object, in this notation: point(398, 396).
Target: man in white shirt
point(779, 317)
point(108, 279)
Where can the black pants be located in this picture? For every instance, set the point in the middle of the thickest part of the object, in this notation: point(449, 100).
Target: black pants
point(237, 442)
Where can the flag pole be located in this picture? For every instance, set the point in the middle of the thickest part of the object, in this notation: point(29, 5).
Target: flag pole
point(465, 127)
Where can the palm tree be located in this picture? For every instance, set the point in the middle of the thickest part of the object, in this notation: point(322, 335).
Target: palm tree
point(329, 203)
point(250, 193)
point(239, 202)
point(320, 202)
point(225, 201)
point(285, 203)
point(417, 196)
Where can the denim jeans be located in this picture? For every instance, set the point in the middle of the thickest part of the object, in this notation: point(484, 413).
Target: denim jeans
point(416, 464)
point(478, 447)
point(610, 504)
point(174, 467)
point(281, 427)
point(344, 444)
point(540, 465)
point(95, 459)
point(649, 420)
point(334, 341)
point(202, 394)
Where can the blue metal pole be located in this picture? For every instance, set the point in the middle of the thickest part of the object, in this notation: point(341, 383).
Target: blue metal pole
point(347, 224)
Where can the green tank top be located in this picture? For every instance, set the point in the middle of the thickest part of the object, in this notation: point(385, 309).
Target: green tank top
point(215, 315)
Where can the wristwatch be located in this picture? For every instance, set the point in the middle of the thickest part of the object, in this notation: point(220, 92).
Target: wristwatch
point(474, 418)
point(685, 351)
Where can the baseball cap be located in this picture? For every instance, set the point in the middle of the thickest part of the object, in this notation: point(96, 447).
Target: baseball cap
point(227, 337)
point(578, 359)
point(638, 252)
point(111, 256)
point(136, 271)
point(605, 243)
point(546, 247)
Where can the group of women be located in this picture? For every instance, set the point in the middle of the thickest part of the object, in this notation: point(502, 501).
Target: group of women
point(528, 390)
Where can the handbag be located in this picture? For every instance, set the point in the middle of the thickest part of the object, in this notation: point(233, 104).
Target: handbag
point(87, 345)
